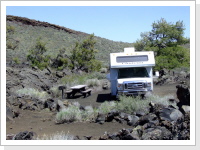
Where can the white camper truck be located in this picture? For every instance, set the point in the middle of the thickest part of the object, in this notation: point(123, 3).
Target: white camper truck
point(131, 72)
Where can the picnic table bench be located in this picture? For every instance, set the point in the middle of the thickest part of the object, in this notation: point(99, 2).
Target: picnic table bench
point(88, 91)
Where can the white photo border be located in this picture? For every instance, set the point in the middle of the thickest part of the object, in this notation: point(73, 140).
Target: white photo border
point(96, 3)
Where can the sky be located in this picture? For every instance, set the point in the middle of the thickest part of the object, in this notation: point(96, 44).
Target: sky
point(117, 23)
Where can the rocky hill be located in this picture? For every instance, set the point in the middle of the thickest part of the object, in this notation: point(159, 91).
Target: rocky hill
point(56, 37)
point(32, 22)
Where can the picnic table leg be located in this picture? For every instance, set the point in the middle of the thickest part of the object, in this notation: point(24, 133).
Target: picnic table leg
point(73, 93)
point(84, 94)
point(62, 93)
point(68, 95)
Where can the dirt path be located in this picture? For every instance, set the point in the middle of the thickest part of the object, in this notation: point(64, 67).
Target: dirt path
point(42, 122)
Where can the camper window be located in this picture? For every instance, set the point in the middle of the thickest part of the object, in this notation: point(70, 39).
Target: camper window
point(121, 59)
point(137, 72)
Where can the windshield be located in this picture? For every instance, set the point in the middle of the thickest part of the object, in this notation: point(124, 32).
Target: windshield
point(132, 73)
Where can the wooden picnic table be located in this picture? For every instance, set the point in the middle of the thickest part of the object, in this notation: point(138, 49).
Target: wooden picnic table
point(78, 89)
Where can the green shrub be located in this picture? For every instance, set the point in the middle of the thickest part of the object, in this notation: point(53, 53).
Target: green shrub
point(73, 113)
point(93, 83)
point(73, 79)
point(173, 57)
point(33, 93)
point(129, 104)
point(55, 92)
point(61, 61)
point(16, 60)
point(89, 114)
point(93, 65)
point(83, 56)
point(164, 100)
point(36, 55)
point(103, 70)
point(70, 114)
point(125, 104)
point(97, 75)
point(11, 42)
point(56, 136)
point(133, 104)
point(42, 65)
point(91, 79)
point(106, 107)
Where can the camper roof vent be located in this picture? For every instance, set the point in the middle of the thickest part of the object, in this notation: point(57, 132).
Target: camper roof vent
point(129, 50)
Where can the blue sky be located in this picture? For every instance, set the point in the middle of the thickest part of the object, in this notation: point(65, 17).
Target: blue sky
point(117, 23)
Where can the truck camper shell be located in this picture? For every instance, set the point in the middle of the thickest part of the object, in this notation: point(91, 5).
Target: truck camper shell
point(124, 68)
point(132, 59)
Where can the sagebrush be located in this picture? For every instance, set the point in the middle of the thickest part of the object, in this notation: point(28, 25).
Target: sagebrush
point(125, 104)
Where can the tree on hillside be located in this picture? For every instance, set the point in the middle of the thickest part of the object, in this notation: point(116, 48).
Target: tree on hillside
point(36, 55)
point(83, 56)
point(165, 39)
point(61, 60)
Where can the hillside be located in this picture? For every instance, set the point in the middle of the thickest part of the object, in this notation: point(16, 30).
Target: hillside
point(56, 38)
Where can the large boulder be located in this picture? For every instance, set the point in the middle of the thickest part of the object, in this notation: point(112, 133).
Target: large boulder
point(111, 115)
point(163, 72)
point(185, 109)
point(26, 135)
point(60, 105)
point(13, 100)
point(170, 114)
point(183, 94)
point(157, 133)
point(52, 104)
point(114, 136)
point(11, 113)
point(155, 108)
point(28, 104)
point(147, 119)
point(101, 118)
point(123, 115)
point(59, 74)
point(132, 120)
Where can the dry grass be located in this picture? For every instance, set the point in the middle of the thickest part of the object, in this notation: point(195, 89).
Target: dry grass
point(57, 136)
point(133, 104)
point(125, 104)
point(33, 93)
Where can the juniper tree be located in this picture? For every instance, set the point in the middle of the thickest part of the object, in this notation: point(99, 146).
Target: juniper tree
point(83, 56)
point(166, 40)
point(36, 55)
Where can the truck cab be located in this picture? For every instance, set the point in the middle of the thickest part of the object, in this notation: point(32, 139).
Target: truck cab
point(131, 72)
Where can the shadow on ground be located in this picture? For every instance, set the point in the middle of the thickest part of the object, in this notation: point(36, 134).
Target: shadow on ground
point(103, 97)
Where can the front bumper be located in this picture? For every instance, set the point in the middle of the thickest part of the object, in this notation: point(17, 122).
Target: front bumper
point(131, 92)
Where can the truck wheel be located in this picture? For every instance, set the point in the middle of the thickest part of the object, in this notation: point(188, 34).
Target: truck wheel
point(112, 97)
point(142, 96)
point(115, 98)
